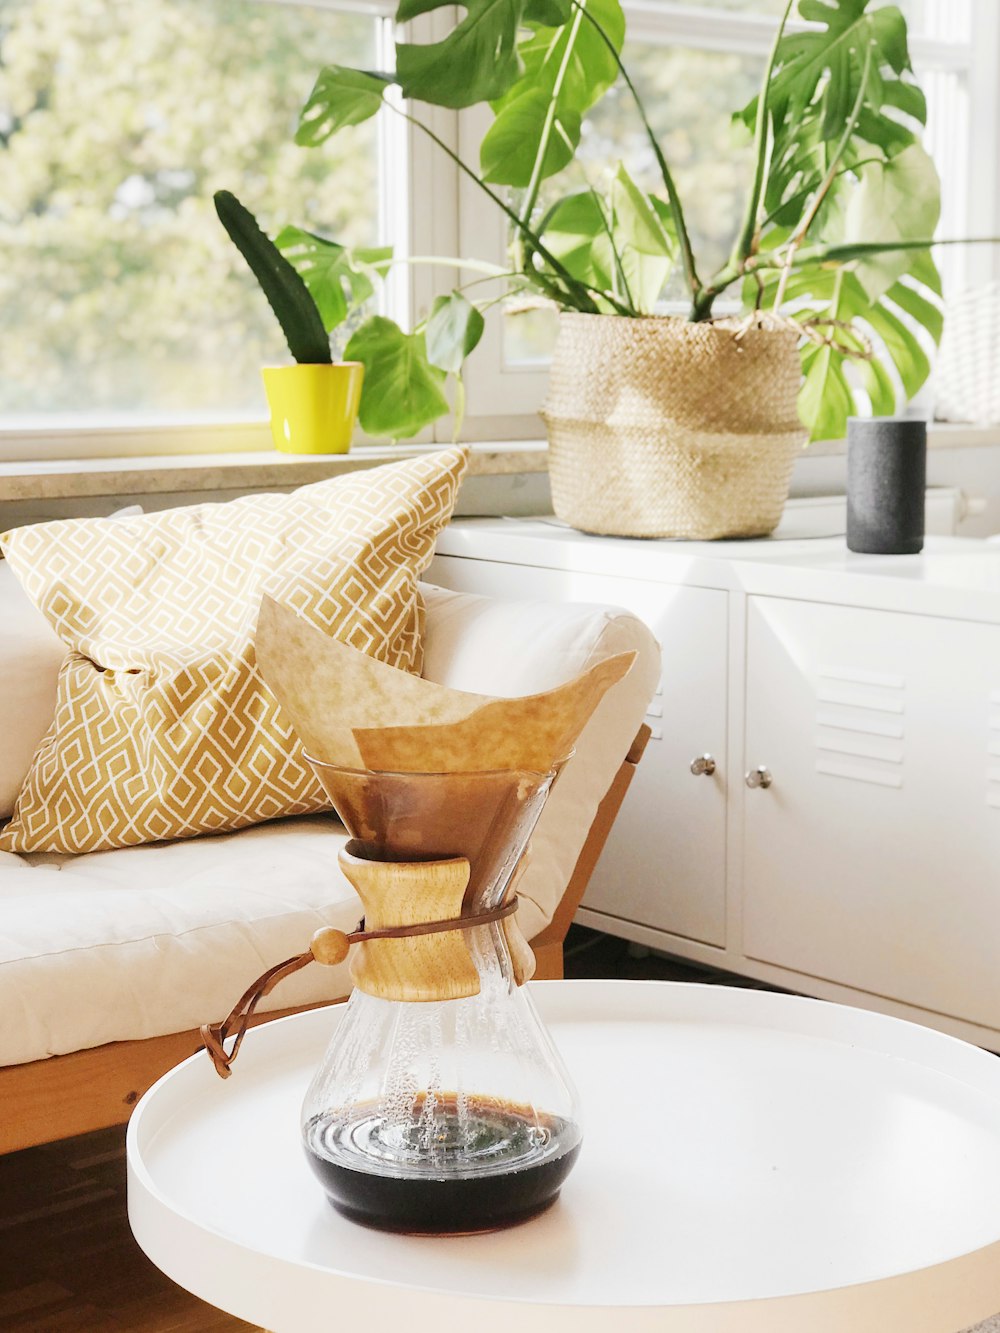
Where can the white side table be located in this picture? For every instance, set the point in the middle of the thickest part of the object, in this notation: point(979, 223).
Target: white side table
point(751, 1161)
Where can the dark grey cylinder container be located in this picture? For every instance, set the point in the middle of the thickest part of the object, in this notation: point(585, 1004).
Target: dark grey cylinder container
point(886, 485)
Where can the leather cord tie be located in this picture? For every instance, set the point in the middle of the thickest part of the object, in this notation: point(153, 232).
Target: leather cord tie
point(328, 946)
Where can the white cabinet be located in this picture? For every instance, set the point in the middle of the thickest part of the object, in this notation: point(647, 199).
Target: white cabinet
point(665, 862)
point(868, 869)
point(873, 858)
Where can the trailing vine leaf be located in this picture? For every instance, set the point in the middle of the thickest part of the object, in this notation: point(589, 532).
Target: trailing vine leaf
point(286, 293)
point(477, 62)
point(640, 227)
point(402, 391)
point(575, 230)
point(339, 279)
point(567, 69)
point(453, 331)
point(340, 97)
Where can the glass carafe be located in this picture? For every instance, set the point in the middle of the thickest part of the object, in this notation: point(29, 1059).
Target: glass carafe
point(439, 1115)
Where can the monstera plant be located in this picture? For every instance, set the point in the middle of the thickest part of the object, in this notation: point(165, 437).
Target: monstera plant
point(831, 252)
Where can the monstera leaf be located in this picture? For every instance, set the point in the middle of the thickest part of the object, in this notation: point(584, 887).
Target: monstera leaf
point(340, 97)
point(477, 62)
point(898, 200)
point(874, 341)
point(567, 69)
point(402, 391)
point(339, 279)
point(849, 74)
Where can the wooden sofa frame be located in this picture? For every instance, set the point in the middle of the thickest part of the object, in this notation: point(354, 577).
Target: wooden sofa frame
point(72, 1094)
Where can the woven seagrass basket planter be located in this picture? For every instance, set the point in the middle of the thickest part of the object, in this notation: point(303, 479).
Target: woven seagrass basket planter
point(662, 428)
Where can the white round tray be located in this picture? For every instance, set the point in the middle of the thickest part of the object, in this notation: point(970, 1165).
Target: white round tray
point(750, 1162)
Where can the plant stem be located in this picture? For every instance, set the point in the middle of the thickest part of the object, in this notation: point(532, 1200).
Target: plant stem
point(534, 184)
point(673, 198)
point(582, 300)
point(746, 239)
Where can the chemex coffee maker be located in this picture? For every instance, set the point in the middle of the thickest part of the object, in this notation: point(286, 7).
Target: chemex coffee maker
point(441, 1105)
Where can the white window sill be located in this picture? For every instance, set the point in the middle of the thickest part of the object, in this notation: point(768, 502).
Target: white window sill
point(137, 475)
point(60, 479)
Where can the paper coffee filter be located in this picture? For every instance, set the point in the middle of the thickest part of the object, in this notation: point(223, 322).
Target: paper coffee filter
point(352, 711)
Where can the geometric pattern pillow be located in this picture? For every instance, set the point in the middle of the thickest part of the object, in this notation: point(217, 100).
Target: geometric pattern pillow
point(163, 727)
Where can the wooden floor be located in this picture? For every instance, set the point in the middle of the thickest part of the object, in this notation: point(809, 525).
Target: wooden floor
point(68, 1263)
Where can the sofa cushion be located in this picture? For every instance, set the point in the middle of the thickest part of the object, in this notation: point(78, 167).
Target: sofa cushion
point(163, 727)
point(137, 942)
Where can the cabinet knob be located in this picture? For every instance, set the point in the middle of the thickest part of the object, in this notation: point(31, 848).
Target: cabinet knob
point(704, 764)
point(759, 777)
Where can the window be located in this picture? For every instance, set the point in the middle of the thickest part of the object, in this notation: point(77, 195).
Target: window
point(123, 302)
point(121, 298)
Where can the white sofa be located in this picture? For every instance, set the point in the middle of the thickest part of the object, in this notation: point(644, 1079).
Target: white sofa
point(127, 946)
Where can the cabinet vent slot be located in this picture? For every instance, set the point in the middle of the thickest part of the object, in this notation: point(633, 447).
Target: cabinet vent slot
point(861, 726)
point(840, 768)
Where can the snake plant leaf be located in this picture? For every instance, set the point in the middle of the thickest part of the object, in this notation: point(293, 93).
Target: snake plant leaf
point(642, 239)
point(402, 391)
point(340, 97)
point(576, 231)
point(286, 293)
point(567, 70)
point(453, 331)
point(898, 200)
point(477, 62)
point(339, 279)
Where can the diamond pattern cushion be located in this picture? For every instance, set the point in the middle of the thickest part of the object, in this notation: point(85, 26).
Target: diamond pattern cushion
point(163, 728)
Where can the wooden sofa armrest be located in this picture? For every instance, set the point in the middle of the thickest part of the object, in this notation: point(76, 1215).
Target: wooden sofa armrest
point(548, 945)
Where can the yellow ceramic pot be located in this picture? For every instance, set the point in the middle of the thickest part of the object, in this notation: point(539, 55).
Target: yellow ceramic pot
point(314, 407)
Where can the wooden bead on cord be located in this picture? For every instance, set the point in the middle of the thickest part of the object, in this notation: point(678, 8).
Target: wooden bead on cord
point(329, 946)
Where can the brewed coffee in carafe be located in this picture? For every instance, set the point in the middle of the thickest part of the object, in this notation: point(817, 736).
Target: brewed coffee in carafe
point(441, 1105)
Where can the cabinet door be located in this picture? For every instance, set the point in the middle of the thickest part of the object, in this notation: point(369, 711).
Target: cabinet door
point(873, 859)
point(664, 865)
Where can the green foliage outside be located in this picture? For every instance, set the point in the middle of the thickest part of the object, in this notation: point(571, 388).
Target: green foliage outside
point(119, 291)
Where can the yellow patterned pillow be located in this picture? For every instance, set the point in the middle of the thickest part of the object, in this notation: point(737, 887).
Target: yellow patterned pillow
point(163, 727)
